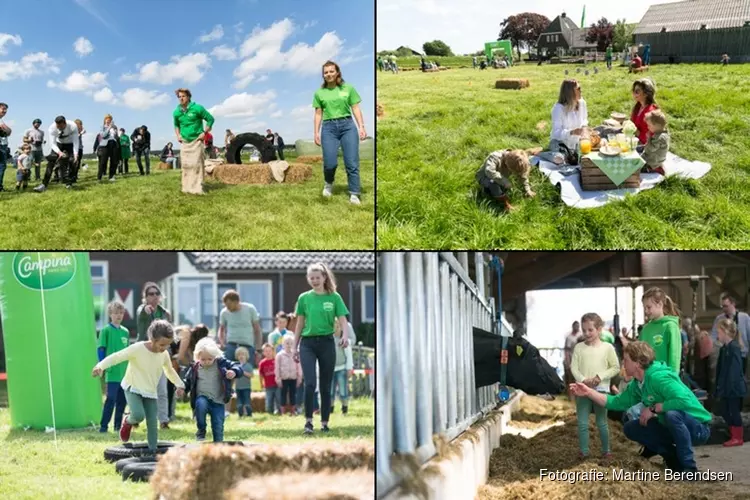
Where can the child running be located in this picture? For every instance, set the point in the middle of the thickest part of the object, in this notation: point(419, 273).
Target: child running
point(594, 363)
point(210, 380)
point(267, 372)
point(730, 378)
point(242, 384)
point(288, 376)
point(24, 167)
point(146, 363)
point(113, 338)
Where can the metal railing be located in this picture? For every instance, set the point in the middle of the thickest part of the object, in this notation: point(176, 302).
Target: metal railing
point(427, 306)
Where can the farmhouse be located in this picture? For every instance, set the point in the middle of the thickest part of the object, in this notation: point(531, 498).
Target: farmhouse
point(696, 31)
point(563, 37)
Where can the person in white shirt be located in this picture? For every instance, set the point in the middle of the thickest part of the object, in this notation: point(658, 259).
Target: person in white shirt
point(64, 141)
point(5, 155)
point(570, 117)
point(741, 319)
point(36, 139)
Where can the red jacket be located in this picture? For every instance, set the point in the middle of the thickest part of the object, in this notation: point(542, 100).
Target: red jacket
point(208, 139)
point(639, 119)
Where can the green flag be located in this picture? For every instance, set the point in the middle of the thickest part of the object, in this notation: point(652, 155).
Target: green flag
point(583, 17)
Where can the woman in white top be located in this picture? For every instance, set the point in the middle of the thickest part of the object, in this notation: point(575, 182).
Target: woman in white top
point(569, 118)
point(106, 143)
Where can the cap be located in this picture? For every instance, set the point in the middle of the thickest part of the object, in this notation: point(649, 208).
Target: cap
point(37, 121)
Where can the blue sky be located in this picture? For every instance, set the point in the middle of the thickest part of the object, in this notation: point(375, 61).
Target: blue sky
point(254, 64)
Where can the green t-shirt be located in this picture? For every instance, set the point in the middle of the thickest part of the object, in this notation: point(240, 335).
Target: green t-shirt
point(336, 102)
point(320, 312)
point(606, 336)
point(114, 339)
point(125, 141)
point(609, 52)
point(190, 121)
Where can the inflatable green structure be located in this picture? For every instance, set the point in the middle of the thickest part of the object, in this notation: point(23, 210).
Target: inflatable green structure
point(47, 308)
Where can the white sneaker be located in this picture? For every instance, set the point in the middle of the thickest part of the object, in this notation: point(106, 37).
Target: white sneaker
point(354, 200)
point(328, 190)
point(111, 179)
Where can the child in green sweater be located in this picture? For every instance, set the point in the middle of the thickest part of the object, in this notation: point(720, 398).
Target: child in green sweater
point(594, 363)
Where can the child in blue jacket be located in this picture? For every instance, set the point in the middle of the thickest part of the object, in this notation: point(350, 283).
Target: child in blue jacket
point(730, 378)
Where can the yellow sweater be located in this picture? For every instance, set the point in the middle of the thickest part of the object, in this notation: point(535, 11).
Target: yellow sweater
point(144, 369)
point(590, 361)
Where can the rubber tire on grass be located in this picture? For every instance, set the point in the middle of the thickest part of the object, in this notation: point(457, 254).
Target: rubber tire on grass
point(233, 154)
point(138, 472)
point(127, 450)
point(121, 464)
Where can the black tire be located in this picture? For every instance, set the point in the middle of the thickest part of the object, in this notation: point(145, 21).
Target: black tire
point(138, 472)
point(127, 450)
point(233, 152)
point(121, 464)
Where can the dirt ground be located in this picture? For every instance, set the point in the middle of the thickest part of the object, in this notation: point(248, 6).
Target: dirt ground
point(540, 444)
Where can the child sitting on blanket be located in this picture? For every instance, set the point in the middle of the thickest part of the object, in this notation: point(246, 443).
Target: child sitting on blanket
point(494, 172)
point(655, 152)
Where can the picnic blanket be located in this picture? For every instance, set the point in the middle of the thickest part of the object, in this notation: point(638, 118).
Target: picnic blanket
point(573, 196)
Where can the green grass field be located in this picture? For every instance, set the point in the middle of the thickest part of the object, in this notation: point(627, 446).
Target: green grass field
point(150, 212)
point(439, 127)
point(32, 467)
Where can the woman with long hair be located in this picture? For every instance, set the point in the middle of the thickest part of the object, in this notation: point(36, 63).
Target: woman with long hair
point(644, 94)
point(107, 141)
point(570, 118)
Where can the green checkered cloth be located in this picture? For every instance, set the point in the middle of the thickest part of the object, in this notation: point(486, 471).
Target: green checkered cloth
point(617, 168)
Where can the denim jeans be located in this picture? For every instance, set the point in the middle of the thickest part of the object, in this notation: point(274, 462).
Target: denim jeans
point(341, 131)
point(273, 399)
point(144, 408)
point(320, 349)
point(144, 152)
point(288, 392)
point(3, 163)
point(340, 379)
point(678, 436)
point(204, 406)
point(162, 403)
point(243, 402)
point(115, 399)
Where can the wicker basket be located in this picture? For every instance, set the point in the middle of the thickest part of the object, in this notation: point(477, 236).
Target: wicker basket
point(593, 179)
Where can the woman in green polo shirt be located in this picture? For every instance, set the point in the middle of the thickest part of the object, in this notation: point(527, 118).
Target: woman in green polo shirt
point(334, 104)
point(317, 312)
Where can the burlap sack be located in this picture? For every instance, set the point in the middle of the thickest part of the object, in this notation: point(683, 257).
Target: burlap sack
point(192, 155)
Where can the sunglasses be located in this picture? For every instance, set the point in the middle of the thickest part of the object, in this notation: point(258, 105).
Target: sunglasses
point(153, 294)
point(636, 91)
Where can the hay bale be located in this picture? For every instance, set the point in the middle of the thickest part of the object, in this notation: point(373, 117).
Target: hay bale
point(512, 83)
point(310, 159)
point(355, 485)
point(207, 471)
point(258, 402)
point(257, 173)
point(164, 166)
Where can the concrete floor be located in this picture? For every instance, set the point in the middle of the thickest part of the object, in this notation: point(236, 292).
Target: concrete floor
point(717, 458)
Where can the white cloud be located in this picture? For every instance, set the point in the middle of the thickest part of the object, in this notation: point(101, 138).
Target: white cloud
point(216, 34)
point(6, 38)
point(81, 81)
point(246, 105)
point(277, 114)
point(310, 24)
point(301, 113)
point(262, 78)
point(119, 60)
point(105, 95)
point(224, 53)
point(83, 47)
point(189, 68)
point(37, 63)
point(262, 53)
point(141, 100)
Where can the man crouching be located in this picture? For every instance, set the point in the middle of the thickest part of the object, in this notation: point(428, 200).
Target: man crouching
point(499, 165)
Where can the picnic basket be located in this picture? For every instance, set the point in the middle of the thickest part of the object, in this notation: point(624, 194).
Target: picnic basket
point(593, 179)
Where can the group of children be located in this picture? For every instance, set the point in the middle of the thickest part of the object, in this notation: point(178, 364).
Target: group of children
point(594, 362)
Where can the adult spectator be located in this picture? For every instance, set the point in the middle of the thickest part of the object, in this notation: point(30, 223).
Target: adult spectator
point(5, 155)
point(188, 120)
point(279, 141)
point(167, 155)
point(35, 136)
point(228, 138)
point(571, 339)
point(741, 319)
point(208, 141)
point(141, 138)
point(269, 137)
point(636, 63)
point(672, 421)
point(77, 166)
point(239, 326)
point(124, 152)
point(105, 145)
point(335, 103)
point(149, 311)
point(64, 139)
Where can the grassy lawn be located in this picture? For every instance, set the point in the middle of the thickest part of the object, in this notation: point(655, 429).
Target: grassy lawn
point(31, 467)
point(439, 127)
point(136, 213)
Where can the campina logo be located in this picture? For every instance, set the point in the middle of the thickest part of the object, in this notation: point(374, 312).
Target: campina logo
point(44, 270)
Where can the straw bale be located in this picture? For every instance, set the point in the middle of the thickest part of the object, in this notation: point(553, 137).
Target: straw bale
point(327, 485)
point(257, 173)
point(512, 83)
point(309, 159)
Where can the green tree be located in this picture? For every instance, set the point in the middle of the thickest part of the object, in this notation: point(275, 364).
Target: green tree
point(622, 35)
point(437, 48)
point(600, 34)
point(523, 30)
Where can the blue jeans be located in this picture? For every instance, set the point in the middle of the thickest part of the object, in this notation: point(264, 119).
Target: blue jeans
point(115, 399)
point(232, 347)
point(204, 406)
point(678, 436)
point(146, 152)
point(273, 399)
point(3, 163)
point(243, 401)
point(340, 379)
point(341, 131)
point(320, 349)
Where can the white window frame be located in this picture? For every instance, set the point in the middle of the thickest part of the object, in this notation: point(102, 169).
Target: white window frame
point(104, 280)
point(176, 301)
point(363, 317)
point(237, 283)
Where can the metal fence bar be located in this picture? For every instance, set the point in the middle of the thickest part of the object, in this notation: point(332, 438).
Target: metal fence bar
point(384, 406)
point(453, 361)
point(403, 398)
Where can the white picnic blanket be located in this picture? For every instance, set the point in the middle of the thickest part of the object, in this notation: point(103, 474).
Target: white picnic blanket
point(574, 196)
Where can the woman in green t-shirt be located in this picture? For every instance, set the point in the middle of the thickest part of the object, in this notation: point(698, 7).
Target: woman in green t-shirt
point(124, 151)
point(317, 312)
point(334, 104)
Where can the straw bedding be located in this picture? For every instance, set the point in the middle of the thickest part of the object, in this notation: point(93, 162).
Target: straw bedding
point(258, 173)
point(512, 83)
point(353, 485)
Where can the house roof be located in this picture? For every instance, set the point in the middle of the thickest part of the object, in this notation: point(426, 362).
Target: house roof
point(280, 261)
point(578, 39)
point(691, 14)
